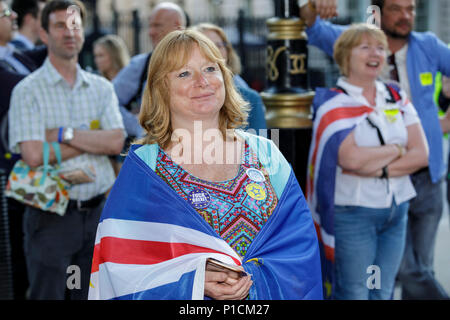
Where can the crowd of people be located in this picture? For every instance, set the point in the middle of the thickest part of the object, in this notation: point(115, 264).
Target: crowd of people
point(179, 183)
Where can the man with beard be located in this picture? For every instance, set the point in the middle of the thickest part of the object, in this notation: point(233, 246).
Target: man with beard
point(413, 61)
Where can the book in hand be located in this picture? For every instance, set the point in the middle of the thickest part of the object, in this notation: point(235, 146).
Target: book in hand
point(83, 173)
point(219, 266)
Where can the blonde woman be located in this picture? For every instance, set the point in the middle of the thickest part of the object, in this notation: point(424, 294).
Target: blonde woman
point(196, 188)
point(367, 139)
point(111, 55)
point(256, 118)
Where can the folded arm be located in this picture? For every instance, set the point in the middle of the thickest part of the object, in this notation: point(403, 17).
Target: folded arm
point(365, 161)
point(31, 152)
point(102, 142)
point(416, 156)
point(369, 161)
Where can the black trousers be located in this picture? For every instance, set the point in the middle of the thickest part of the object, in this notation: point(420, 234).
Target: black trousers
point(52, 244)
point(19, 269)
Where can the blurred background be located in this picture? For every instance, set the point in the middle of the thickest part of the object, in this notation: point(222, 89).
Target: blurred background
point(244, 22)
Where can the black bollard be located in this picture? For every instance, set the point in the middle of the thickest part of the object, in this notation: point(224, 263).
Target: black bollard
point(287, 96)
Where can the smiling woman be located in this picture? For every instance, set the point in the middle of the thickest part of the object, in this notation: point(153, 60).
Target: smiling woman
point(188, 211)
point(197, 91)
point(367, 139)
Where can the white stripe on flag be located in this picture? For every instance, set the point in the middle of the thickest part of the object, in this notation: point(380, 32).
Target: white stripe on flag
point(163, 232)
point(116, 280)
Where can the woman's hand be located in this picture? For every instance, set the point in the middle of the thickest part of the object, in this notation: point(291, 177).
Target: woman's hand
point(223, 286)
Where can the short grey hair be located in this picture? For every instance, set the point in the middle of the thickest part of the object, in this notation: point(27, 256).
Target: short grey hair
point(173, 7)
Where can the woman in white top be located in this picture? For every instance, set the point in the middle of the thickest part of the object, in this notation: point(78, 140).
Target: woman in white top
point(378, 141)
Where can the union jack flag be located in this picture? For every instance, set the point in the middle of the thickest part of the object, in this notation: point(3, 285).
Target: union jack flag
point(335, 115)
point(152, 244)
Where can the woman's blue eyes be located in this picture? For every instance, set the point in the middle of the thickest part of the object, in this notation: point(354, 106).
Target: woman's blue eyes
point(187, 73)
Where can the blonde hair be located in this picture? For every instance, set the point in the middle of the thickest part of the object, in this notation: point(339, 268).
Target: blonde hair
point(233, 61)
point(171, 54)
point(353, 37)
point(116, 48)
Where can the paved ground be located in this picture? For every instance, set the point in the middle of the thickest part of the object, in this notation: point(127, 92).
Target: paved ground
point(442, 252)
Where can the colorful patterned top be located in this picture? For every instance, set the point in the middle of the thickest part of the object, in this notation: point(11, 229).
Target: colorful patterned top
point(237, 208)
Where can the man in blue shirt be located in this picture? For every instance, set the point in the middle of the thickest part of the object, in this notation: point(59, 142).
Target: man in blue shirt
point(414, 59)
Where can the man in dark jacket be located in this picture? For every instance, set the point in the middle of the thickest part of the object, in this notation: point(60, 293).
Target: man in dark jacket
point(14, 66)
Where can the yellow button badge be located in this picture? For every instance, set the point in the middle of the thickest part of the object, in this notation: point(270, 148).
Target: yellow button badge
point(95, 125)
point(255, 191)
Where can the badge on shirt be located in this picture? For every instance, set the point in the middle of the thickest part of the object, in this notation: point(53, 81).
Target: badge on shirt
point(199, 198)
point(391, 114)
point(255, 175)
point(426, 79)
point(95, 125)
point(255, 191)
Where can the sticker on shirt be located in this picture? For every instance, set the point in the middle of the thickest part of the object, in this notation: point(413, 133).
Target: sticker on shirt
point(426, 79)
point(391, 114)
point(255, 191)
point(255, 175)
point(95, 125)
point(199, 198)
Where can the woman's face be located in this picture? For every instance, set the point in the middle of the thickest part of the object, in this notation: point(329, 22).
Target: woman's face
point(218, 41)
point(102, 59)
point(197, 90)
point(367, 60)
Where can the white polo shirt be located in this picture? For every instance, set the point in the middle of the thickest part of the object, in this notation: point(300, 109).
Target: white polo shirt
point(373, 192)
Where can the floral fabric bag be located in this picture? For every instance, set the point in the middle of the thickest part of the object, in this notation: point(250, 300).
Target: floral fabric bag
point(40, 187)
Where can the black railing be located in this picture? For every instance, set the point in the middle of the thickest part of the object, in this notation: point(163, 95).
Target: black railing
point(247, 34)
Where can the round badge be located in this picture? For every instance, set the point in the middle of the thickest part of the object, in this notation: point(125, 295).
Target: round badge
point(255, 175)
point(199, 198)
point(256, 191)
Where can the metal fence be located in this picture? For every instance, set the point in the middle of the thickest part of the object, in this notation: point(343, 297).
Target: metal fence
point(247, 34)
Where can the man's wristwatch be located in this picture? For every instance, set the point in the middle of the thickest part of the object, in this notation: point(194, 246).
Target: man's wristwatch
point(67, 135)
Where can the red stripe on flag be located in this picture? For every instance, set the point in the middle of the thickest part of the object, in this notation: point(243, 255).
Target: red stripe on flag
point(330, 117)
point(329, 251)
point(127, 251)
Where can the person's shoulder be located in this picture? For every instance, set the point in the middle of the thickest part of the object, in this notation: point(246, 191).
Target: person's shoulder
point(133, 70)
point(249, 93)
point(140, 56)
point(423, 36)
point(29, 81)
point(90, 76)
point(97, 80)
point(426, 42)
point(255, 140)
point(426, 39)
point(139, 59)
point(323, 94)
